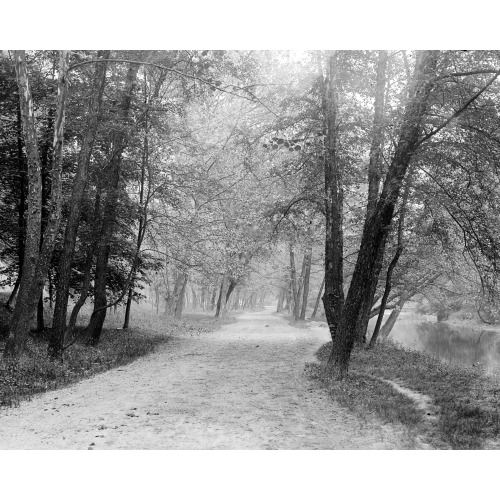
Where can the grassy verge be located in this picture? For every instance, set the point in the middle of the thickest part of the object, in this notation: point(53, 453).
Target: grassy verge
point(35, 373)
point(466, 398)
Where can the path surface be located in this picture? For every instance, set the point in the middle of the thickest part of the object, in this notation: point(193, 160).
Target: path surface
point(241, 387)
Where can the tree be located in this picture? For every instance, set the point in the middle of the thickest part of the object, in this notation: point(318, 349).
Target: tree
point(56, 342)
point(36, 256)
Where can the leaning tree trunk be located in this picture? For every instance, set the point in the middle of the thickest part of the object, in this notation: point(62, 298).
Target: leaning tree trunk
point(318, 298)
point(393, 263)
point(375, 233)
point(36, 259)
point(387, 291)
point(391, 320)
point(56, 340)
point(93, 330)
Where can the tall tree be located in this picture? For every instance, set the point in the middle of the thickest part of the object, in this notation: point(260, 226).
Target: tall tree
point(119, 141)
point(56, 341)
point(36, 258)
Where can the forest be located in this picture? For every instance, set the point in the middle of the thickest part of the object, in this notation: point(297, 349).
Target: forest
point(338, 185)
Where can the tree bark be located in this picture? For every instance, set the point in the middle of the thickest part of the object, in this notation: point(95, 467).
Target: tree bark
point(387, 290)
point(293, 276)
point(315, 311)
point(391, 320)
point(40, 323)
point(221, 303)
point(143, 216)
point(393, 263)
point(212, 300)
point(56, 340)
point(179, 305)
point(307, 261)
point(374, 174)
point(230, 288)
point(21, 210)
point(333, 298)
point(36, 259)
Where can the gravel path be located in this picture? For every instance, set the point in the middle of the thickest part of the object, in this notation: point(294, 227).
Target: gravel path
point(241, 387)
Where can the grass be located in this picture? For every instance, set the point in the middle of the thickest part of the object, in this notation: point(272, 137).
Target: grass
point(35, 373)
point(466, 398)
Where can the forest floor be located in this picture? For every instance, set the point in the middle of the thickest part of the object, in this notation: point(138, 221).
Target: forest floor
point(240, 387)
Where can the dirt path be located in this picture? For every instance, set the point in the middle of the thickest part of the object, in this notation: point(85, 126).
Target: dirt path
point(242, 387)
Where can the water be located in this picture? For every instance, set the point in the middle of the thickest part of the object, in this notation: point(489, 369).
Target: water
point(454, 343)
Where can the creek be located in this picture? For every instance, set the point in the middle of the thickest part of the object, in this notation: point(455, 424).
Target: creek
point(455, 343)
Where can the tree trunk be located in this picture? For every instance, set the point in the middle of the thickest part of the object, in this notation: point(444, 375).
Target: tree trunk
point(375, 233)
point(93, 330)
point(374, 173)
point(333, 298)
point(230, 288)
point(387, 290)
point(179, 306)
point(40, 323)
point(394, 261)
point(318, 299)
point(13, 294)
point(281, 300)
point(212, 300)
point(126, 321)
point(221, 303)
point(295, 293)
point(56, 340)
point(143, 215)
point(388, 325)
point(237, 300)
point(36, 260)
point(21, 211)
point(307, 261)
point(87, 271)
point(289, 299)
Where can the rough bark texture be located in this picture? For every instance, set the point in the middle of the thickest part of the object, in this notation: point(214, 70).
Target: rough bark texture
point(56, 340)
point(374, 236)
point(36, 259)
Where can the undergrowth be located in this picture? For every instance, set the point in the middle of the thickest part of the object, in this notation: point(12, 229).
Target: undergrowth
point(466, 398)
point(34, 372)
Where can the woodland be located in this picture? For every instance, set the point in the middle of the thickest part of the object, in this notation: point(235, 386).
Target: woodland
point(332, 184)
